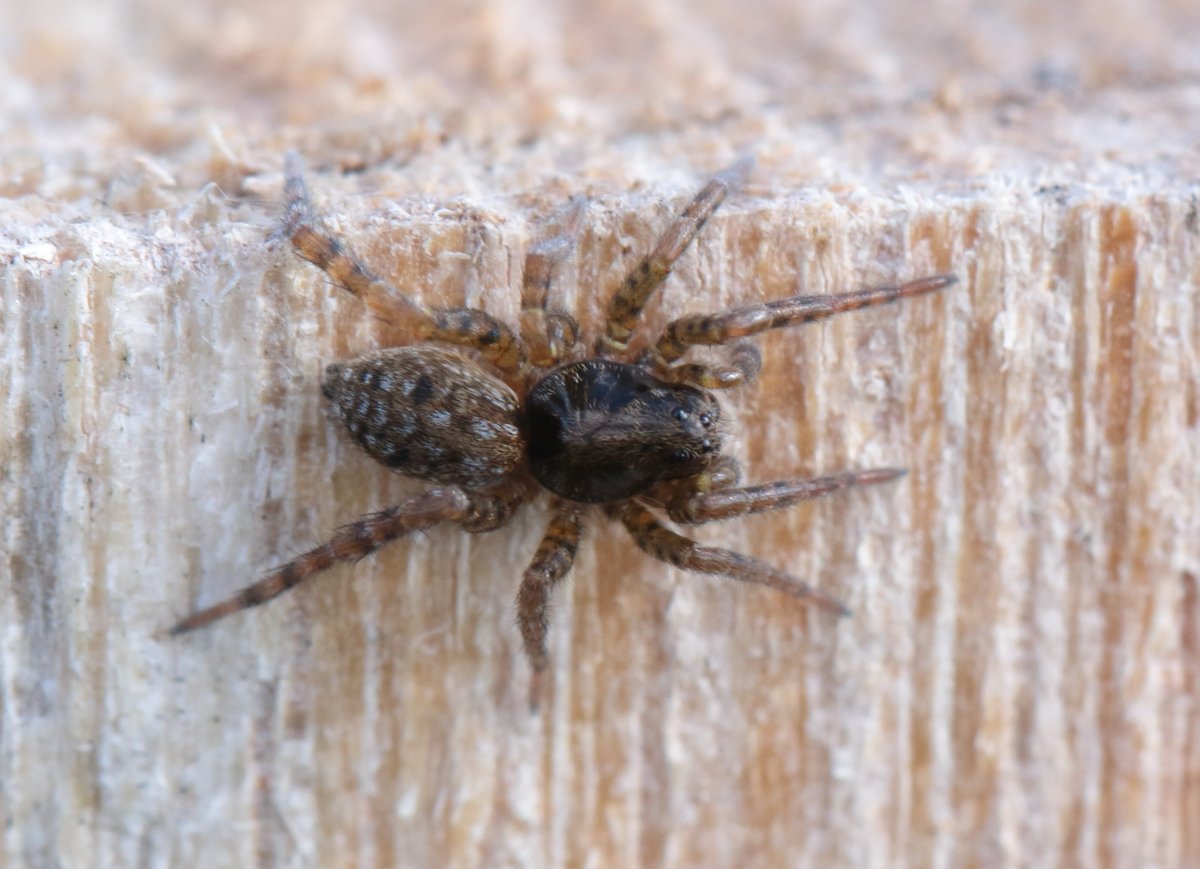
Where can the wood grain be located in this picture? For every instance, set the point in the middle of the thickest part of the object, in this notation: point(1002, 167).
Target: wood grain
point(1018, 684)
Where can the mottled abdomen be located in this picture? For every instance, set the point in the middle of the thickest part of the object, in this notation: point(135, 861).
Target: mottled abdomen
point(429, 413)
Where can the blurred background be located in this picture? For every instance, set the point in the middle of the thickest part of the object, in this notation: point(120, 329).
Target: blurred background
point(1018, 685)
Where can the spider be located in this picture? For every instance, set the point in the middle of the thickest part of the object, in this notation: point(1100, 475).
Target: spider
point(531, 411)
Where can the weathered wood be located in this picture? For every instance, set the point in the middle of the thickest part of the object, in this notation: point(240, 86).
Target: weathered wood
point(1018, 684)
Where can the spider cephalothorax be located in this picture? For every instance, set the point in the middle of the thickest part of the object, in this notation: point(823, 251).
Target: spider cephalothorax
point(540, 414)
point(599, 431)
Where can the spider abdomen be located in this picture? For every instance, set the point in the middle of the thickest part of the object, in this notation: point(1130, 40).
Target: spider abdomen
point(603, 431)
point(428, 413)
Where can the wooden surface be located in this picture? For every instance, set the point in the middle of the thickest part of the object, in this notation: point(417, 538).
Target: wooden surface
point(1019, 683)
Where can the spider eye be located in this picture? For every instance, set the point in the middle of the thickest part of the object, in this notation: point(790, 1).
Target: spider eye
point(680, 414)
point(706, 419)
point(681, 455)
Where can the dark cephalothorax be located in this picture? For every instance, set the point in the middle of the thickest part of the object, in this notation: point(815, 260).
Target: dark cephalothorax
point(539, 413)
point(600, 431)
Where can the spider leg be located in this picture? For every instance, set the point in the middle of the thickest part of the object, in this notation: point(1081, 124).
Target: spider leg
point(691, 505)
point(662, 543)
point(313, 241)
point(549, 335)
point(713, 329)
point(640, 284)
point(351, 542)
point(553, 560)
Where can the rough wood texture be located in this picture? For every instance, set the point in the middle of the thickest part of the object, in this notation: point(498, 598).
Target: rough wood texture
point(1019, 684)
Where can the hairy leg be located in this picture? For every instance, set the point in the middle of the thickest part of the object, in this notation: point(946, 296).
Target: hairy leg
point(468, 327)
point(360, 538)
point(714, 329)
point(662, 543)
point(691, 505)
point(626, 306)
point(549, 335)
point(553, 560)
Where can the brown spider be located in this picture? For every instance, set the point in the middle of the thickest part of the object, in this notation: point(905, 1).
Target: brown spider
point(543, 414)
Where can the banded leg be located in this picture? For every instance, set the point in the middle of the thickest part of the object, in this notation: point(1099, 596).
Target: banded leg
point(553, 560)
point(549, 335)
point(359, 539)
point(662, 543)
point(711, 329)
point(312, 240)
point(626, 306)
point(691, 506)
